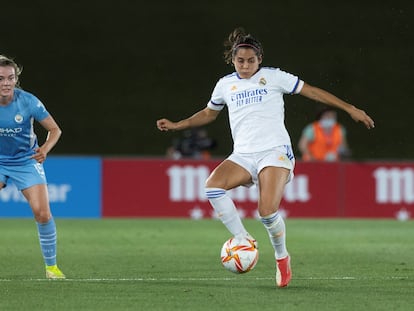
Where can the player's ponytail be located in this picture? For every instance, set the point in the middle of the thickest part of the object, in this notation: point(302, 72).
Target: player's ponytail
point(240, 38)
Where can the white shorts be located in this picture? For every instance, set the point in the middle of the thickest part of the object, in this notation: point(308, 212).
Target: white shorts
point(281, 156)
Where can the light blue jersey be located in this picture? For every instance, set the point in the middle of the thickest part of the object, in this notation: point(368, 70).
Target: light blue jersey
point(17, 138)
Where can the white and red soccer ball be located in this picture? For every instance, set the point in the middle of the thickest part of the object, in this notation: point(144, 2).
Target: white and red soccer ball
point(239, 255)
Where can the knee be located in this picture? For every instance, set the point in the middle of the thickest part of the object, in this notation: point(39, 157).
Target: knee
point(213, 181)
point(42, 216)
point(210, 183)
point(41, 213)
point(268, 205)
point(267, 209)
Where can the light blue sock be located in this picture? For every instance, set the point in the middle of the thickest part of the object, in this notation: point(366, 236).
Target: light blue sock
point(47, 239)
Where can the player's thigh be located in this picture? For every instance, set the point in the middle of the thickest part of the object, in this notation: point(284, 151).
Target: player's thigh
point(228, 175)
point(272, 182)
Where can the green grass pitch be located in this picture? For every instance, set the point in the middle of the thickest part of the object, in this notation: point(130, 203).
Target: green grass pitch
point(173, 264)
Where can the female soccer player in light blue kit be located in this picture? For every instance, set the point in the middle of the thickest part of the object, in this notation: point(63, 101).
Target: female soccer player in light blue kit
point(21, 157)
point(262, 152)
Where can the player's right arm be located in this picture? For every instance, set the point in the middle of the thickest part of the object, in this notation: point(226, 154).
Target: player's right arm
point(200, 118)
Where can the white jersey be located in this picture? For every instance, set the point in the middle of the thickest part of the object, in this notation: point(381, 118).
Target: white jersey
point(256, 108)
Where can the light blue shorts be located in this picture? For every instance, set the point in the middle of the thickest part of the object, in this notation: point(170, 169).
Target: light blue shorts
point(281, 156)
point(23, 176)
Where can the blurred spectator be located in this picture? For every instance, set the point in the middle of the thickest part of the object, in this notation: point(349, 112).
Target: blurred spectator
point(195, 144)
point(324, 139)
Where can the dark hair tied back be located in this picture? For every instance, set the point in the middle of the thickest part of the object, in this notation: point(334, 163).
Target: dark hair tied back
point(240, 37)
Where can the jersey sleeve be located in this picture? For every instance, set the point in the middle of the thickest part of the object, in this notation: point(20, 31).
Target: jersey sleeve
point(39, 111)
point(217, 101)
point(287, 82)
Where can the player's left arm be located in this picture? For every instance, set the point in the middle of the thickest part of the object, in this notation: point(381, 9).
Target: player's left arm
point(327, 98)
point(53, 134)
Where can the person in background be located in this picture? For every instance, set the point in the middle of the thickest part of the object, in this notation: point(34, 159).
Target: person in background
point(262, 152)
point(195, 144)
point(324, 139)
point(21, 157)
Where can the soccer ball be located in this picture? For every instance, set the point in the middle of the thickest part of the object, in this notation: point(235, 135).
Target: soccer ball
point(239, 255)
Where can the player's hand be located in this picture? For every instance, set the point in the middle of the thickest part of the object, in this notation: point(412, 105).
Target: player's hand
point(40, 155)
point(360, 116)
point(165, 125)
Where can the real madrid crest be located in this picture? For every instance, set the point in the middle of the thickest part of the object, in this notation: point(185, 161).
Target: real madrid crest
point(262, 81)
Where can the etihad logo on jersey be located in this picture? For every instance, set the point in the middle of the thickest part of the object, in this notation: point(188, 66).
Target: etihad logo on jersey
point(248, 97)
point(4, 131)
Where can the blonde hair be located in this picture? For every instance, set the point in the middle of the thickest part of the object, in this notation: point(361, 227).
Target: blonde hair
point(6, 61)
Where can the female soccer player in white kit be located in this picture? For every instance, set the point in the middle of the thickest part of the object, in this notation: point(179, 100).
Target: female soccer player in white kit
point(262, 152)
point(21, 157)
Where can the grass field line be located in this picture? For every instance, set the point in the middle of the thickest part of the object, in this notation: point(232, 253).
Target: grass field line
point(329, 278)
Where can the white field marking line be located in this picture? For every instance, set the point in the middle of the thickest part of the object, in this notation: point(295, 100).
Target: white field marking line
point(332, 278)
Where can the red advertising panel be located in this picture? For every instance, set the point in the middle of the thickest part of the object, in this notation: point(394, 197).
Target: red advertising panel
point(379, 190)
point(315, 191)
point(167, 188)
point(155, 188)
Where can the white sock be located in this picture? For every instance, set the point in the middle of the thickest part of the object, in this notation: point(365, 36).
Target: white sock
point(226, 211)
point(276, 229)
